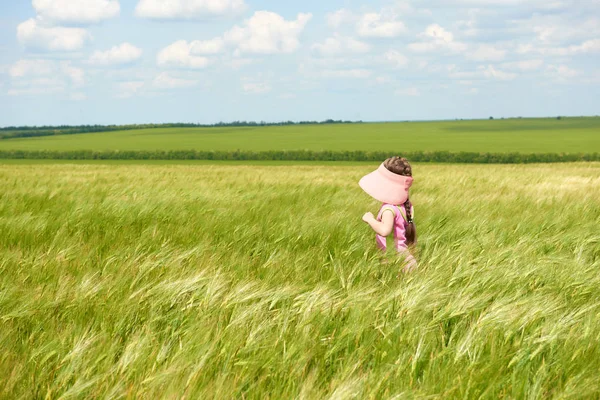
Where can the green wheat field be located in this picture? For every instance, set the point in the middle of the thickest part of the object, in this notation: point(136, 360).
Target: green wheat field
point(534, 135)
point(261, 281)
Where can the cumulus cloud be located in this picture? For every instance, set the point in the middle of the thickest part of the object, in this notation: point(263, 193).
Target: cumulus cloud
point(267, 33)
point(33, 68)
point(395, 58)
point(179, 55)
point(436, 38)
point(486, 52)
point(23, 68)
point(129, 88)
point(76, 12)
point(339, 17)
point(347, 73)
point(35, 90)
point(561, 73)
point(76, 75)
point(206, 47)
point(187, 9)
point(166, 81)
point(124, 53)
point(482, 72)
point(525, 65)
point(554, 30)
point(338, 44)
point(379, 25)
point(539, 4)
point(491, 72)
point(589, 46)
point(38, 76)
point(33, 34)
point(263, 33)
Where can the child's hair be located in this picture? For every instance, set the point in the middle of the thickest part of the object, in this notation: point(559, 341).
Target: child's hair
point(400, 166)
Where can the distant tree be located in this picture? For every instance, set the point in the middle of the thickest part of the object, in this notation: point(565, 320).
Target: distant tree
point(491, 117)
point(559, 117)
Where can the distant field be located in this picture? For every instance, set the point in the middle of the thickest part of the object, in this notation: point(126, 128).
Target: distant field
point(262, 282)
point(570, 135)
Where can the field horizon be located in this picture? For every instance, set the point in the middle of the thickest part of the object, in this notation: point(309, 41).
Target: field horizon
point(525, 136)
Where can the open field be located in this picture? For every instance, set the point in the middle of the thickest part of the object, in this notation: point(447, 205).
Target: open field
point(230, 281)
point(570, 135)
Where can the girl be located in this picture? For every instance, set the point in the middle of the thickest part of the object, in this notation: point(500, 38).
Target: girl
point(389, 184)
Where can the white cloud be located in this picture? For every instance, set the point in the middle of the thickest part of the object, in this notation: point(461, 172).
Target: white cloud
point(539, 4)
point(395, 58)
point(205, 47)
point(381, 80)
point(32, 90)
point(491, 72)
point(77, 12)
point(40, 76)
point(589, 46)
point(347, 73)
point(39, 68)
point(379, 25)
point(256, 88)
point(122, 54)
point(128, 89)
point(32, 33)
point(436, 38)
point(561, 73)
point(237, 63)
point(339, 44)
point(23, 68)
point(263, 33)
point(187, 9)
point(339, 17)
point(166, 81)
point(413, 92)
point(482, 72)
point(77, 75)
point(526, 65)
point(556, 29)
point(486, 52)
point(179, 55)
point(267, 33)
point(437, 33)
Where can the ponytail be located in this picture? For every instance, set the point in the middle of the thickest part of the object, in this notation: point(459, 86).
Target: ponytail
point(411, 230)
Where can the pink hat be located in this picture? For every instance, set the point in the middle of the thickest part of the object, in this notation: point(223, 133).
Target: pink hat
point(386, 186)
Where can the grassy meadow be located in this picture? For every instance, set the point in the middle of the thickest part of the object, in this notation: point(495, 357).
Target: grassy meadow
point(257, 281)
point(569, 135)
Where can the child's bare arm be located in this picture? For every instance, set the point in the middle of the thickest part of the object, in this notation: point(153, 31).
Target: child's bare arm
point(383, 227)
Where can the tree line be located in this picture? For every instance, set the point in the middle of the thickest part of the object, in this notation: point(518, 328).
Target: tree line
point(302, 155)
point(12, 132)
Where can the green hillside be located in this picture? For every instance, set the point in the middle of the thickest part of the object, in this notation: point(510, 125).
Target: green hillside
point(571, 135)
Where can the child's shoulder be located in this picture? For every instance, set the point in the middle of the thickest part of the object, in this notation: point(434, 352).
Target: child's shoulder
point(398, 210)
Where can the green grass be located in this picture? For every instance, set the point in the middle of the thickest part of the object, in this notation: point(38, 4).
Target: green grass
point(231, 281)
point(571, 135)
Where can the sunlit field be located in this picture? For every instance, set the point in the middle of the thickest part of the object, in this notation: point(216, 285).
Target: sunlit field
point(567, 135)
point(232, 281)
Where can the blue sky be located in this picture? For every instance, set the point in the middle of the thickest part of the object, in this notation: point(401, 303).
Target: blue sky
point(140, 61)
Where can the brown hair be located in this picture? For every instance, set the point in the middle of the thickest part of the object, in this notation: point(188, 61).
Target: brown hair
point(401, 166)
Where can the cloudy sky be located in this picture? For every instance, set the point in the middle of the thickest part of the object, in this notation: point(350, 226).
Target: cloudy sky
point(137, 61)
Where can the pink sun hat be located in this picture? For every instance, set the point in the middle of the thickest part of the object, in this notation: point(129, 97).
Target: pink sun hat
point(386, 186)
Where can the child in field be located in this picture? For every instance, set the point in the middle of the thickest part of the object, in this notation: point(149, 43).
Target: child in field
point(389, 184)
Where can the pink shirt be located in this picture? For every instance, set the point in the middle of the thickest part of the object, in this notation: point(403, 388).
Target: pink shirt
point(399, 230)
